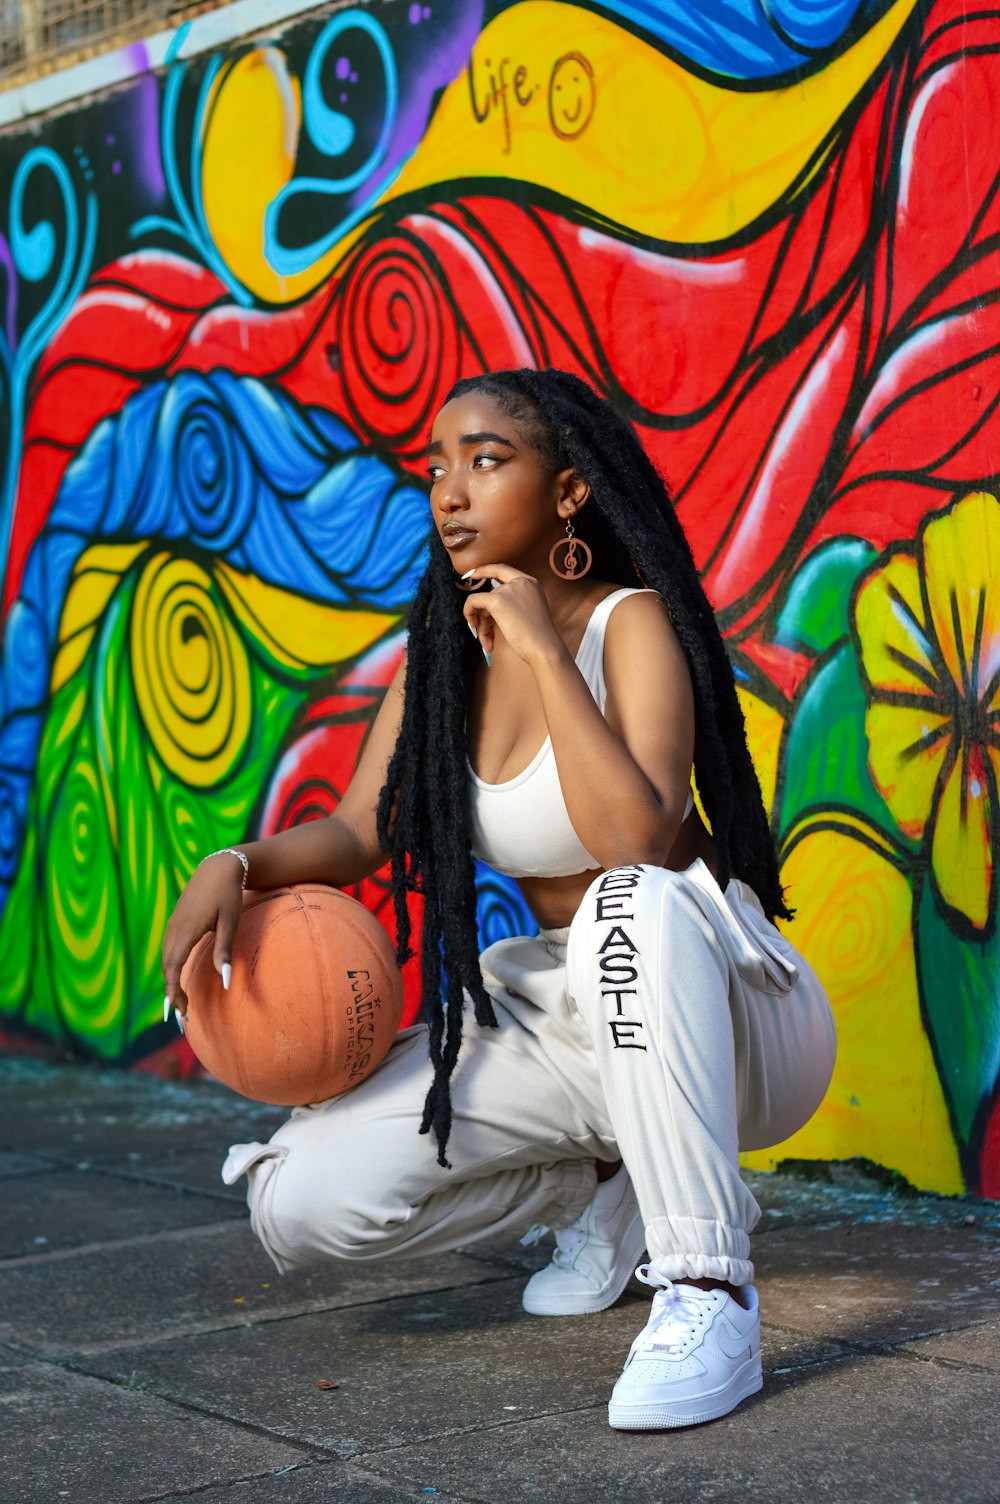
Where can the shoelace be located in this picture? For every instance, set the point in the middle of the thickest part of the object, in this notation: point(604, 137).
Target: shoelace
point(567, 1241)
point(534, 1235)
point(675, 1310)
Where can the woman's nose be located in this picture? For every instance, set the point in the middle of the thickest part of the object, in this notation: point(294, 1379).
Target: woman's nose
point(450, 494)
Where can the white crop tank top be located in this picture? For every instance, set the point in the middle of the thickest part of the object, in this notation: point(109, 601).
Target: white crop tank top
point(522, 827)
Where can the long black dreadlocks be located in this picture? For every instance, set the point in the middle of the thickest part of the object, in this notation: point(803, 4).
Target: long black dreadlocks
point(636, 539)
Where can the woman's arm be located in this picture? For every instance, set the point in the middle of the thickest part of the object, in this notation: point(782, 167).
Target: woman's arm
point(343, 848)
point(625, 778)
point(625, 775)
point(339, 850)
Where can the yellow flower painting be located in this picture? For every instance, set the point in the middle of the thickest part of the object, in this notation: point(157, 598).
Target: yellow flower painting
point(927, 623)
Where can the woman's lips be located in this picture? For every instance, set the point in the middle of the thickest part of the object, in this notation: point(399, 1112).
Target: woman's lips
point(457, 539)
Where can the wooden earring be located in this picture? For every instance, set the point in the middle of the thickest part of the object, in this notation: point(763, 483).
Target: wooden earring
point(573, 566)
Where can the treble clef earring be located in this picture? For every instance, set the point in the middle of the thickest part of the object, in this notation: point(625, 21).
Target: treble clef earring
point(573, 566)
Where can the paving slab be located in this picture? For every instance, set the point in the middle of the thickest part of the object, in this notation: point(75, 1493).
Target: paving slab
point(69, 1208)
point(406, 1367)
point(197, 1169)
point(69, 1436)
point(847, 1190)
point(855, 1431)
point(13, 1164)
point(783, 1351)
point(188, 1281)
point(872, 1284)
point(93, 1131)
point(32, 1085)
point(976, 1345)
point(72, 1112)
point(881, 1338)
point(511, 1252)
point(312, 1481)
point(11, 1358)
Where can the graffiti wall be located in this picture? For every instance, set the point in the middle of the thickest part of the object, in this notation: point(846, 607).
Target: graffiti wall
point(232, 293)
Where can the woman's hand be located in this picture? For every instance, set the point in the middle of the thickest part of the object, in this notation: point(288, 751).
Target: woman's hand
point(517, 607)
point(212, 900)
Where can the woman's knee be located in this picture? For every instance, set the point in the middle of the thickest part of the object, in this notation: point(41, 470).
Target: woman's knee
point(316, 1195)
point(784, 1084)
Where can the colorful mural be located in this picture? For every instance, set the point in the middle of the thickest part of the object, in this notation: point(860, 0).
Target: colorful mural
point(232, 295)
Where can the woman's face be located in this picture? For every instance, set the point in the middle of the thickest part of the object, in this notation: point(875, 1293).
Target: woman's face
point(493, 498)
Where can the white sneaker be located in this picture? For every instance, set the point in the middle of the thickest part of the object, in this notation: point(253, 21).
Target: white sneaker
point(696, 1358)
point(594, 1258)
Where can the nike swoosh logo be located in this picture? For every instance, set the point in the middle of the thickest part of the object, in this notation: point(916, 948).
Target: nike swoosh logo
point(732, 1342)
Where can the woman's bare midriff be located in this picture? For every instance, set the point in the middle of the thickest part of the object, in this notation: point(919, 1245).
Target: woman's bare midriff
point(554, 900)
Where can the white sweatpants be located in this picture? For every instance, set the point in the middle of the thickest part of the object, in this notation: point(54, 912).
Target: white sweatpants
point(669, 1025)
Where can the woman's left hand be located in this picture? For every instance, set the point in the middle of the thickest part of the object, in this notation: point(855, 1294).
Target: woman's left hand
point(516, 606)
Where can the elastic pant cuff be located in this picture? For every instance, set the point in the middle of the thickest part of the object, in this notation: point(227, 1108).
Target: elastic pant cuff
point(696, 1248)
point(681, 1266)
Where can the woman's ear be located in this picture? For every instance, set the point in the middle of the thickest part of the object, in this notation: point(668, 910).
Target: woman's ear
point(574, 492)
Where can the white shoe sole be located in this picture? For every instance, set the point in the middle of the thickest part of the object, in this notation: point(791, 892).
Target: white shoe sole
point(548, 1302)
point(691, 1411)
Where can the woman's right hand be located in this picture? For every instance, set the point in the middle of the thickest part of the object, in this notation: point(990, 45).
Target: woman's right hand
point(212, 900)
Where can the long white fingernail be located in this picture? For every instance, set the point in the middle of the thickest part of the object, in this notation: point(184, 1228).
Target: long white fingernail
point(468, 573)
point(166, 1007)
point(496, 584)
point(472, 630)
point(180, 1020)
point(489, 658)
point(227, 972)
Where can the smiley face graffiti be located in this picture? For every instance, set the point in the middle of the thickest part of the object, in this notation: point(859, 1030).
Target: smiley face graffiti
point(572, 95)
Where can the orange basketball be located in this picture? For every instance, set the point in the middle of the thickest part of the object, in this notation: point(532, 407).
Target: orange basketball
point(314, 1001)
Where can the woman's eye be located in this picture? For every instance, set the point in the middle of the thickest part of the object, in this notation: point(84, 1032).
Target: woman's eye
point(486, 460)
point(434, 472)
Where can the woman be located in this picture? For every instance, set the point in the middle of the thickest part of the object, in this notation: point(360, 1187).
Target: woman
point(549, 723)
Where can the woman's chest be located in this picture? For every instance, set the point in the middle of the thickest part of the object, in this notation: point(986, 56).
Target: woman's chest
point(505, 725)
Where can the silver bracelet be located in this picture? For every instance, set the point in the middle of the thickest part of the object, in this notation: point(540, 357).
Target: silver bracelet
point(241, 857)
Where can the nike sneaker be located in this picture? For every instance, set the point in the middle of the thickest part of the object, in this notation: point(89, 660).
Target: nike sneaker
point(696, 1358)
point(593, 1259)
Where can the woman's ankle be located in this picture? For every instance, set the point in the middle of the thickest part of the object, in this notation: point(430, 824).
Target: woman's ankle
point(736, 1291)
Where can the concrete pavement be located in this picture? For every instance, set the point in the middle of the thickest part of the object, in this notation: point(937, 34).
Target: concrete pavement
point(149, 1351)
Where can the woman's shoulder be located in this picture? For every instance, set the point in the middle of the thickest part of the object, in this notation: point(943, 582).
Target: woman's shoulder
point(639, 637)
point(603, 590)
point(631, 608)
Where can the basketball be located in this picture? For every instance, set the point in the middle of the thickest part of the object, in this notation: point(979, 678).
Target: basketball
point(314, 1000)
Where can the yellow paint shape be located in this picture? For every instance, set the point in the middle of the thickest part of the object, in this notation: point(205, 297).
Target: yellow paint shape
point(190, 670)
point(847, 823)
point(96, 576)
point(192, 634)
point(567, 100)
point(764, 727)
point(248, 156)
point(854, 925)
point(190, 662)
point(299, 634)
